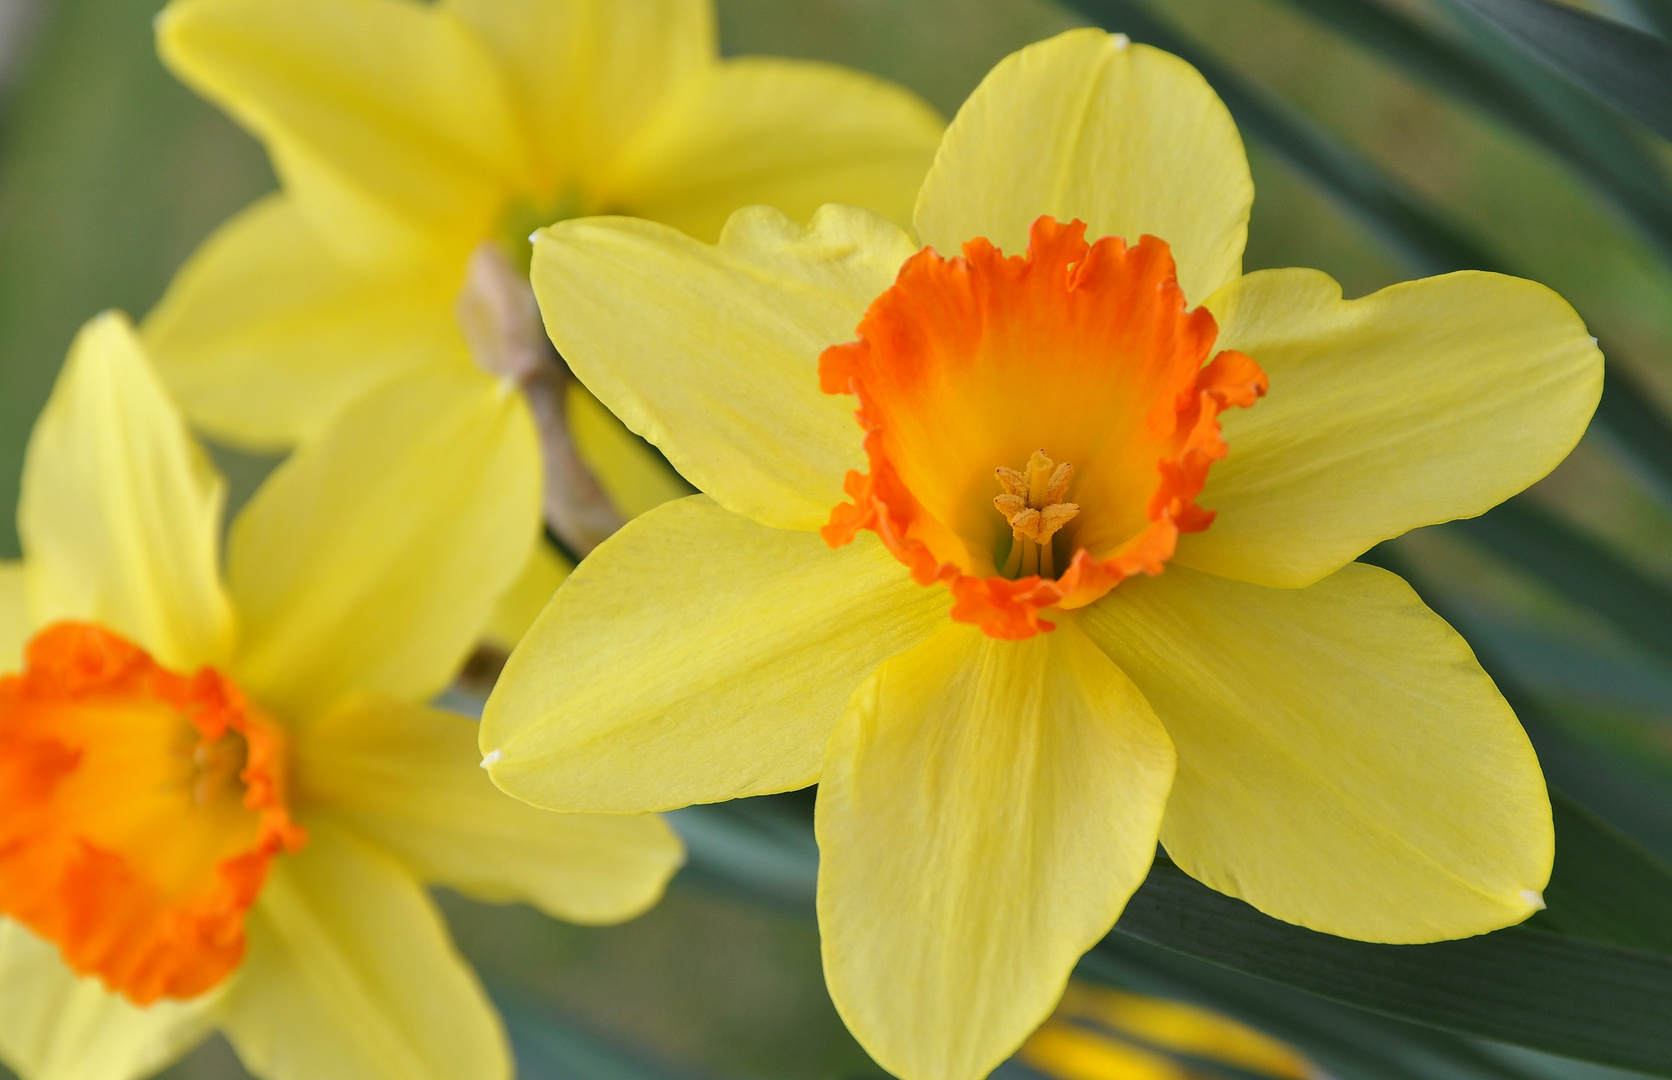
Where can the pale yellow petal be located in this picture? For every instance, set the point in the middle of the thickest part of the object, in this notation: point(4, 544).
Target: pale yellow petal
point(266, 332)
point(1128, 139)
point(711, 353)
point(986, 809)
point(409, 778)
point(351, 975)
point(373, 557)
point(15, 627)
point(57, 1026)
point(586, 75)
point(1344, 763)
point(1427, 401)
point(386, 119)
point(696, 656)
point(522, 603)
point(632, 473)
point(120, 512)
point(786, 133)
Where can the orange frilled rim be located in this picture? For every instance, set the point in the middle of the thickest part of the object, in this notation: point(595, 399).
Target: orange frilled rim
point(139, 812)
point(1086, 352)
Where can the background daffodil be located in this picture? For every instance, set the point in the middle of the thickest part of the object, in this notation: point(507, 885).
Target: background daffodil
point(219, 798)
point(416, 140)
point(1298, 729)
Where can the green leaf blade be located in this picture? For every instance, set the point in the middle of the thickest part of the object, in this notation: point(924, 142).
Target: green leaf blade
point(1627, 68)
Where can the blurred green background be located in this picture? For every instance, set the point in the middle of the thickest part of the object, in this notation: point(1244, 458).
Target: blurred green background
point(111, 173)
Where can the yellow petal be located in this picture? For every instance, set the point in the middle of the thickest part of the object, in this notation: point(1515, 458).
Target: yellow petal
point(14, 616)
point(1344, 763)
point(1128, 139)
point(267, 332)
point(368, 760)
point(712, 353)
point(632, 474)
point(350, 975)
point(386, 119)
point(56, 1026)
point(373, 557)
point(696, 656)
point(986, 809)
point(522, 603)
point(1103, 1016)
point(1065, 1051)
point(789, 134)
point(120, 513)
point(586, 75)
point(1427, 401)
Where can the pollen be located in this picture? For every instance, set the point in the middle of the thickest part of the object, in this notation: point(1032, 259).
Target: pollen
point(1033, 506)
point(139, 812)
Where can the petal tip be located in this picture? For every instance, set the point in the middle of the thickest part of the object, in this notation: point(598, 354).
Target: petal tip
point(491, 758)
point(1532, 898)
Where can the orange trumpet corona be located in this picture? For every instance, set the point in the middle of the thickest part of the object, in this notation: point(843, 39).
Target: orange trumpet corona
point(139, 812)
point(1078, 355)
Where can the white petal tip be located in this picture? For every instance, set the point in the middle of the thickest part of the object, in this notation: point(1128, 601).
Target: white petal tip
point(535, 235)
point(493, 757)
point(1595, 342)
point(1121, 41)
point(1531, 897)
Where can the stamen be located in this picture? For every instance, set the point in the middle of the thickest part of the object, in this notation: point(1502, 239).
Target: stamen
point(1032, 504)
point(1013, 482)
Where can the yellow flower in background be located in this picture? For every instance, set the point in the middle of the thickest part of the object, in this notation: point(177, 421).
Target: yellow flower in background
point(1080, 586)
point(410, 136)
point(1102, 1034)
point(220, 798)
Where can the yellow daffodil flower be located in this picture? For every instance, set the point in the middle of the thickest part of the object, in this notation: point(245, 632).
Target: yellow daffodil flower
point(1103, 1034)
point(412, 136)
point(1051, 439)
point(219, 798)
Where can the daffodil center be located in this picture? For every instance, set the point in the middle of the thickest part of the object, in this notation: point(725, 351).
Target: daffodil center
point(522, 216)
point(213, 768)
point(139, 811)
point(970, 362)
point(1033, 505)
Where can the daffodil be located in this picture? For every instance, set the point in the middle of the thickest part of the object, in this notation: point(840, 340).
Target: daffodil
point(1102, 1034)
point(1086, 576)
point(220, 797)
point(412, 136)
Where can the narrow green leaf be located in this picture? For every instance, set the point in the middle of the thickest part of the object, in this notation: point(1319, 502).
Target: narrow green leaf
point(1605, 887)
point(1580, 568)
point(1551, 992)
point(1567, 122)
point(1638, 427)
point(1625, 67)
point(1347, 1043)
point(1657, 13)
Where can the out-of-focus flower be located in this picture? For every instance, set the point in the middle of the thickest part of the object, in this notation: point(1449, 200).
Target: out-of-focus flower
point(990, 794)
point(1101, 1034)
point(219, 799)
point(411, 135)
